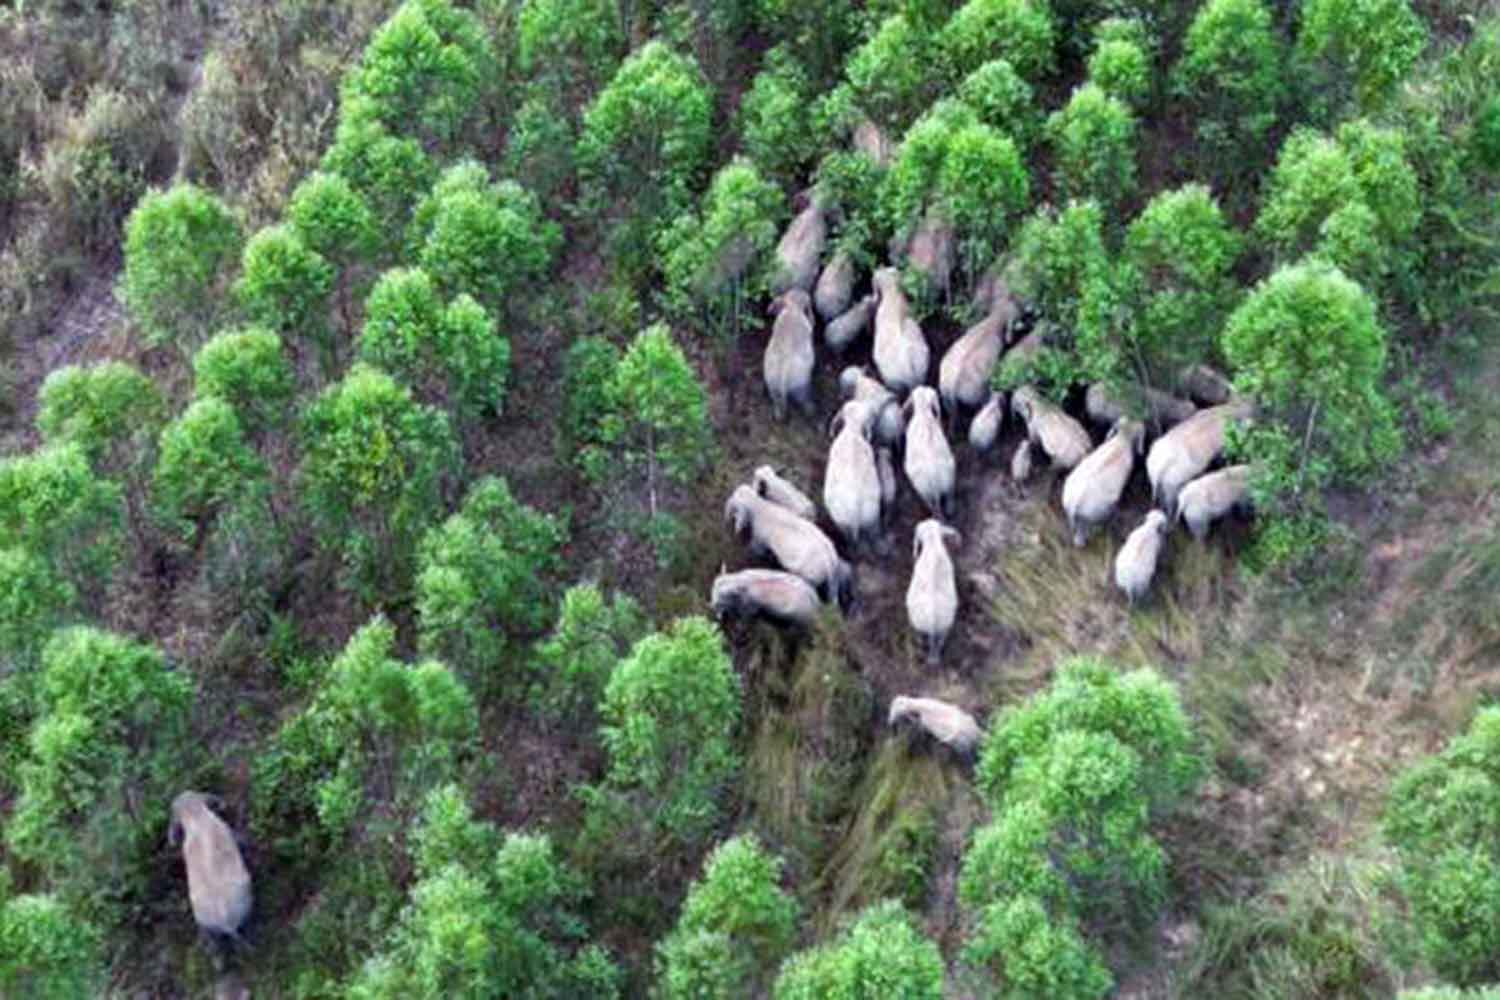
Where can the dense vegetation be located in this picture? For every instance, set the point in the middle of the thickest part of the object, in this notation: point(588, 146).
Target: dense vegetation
point(372, 375)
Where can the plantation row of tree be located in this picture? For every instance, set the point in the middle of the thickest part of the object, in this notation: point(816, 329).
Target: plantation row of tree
point(315, 461)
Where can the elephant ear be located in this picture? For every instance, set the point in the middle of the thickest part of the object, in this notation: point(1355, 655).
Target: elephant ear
point(952, 534)
point(836, 425)
point(916, 546)
point(174, 832)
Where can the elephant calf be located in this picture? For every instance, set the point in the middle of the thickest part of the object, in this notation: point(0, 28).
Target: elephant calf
point(928, 461)
point(768, 593)
point(777, 490)
point(1050, 429)
point(1135, 565)
point(985, 428)
point(797, 544)
point(789, 359)
point(932, 595)
point(1020, 462)
point(901, 353)
point(850, 325)
point(1208, 498)
point(890, 425)
point(1180, 455)
point(948, 724)
point(1092, 490)
point(218, 881)
point(1162, 409)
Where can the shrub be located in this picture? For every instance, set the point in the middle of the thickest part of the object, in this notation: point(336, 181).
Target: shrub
point(896, 73)
point(670, 710)
point(1017, 31)
point(450, 355)
point(109, 409)
point(285, 286)
point(332, 219)
point(482, 580)
point(46, 951)
point(1094, 137)
point(587, 371)
point(818, 36)
point(1121, 67)
point(105, 758)
point(569, 48)
point(205, 465)
point(373, 473)
point(736, 913)
point(775, 126)
point(53, 505)
point(387, 171)
point(1230, 76)
point(247, 369)
point(539, 152)
point(574, 662)
point(1041, 957)
point(1002, 100)
point(879, 954)
point(1357, 51)
point(178, 244)
point(33, 601)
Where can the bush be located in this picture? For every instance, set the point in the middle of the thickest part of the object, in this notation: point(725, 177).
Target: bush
point(895, 74)
point(1230, 76)
point(387, 171)
point(880, 954)
point(332, 219)
point(205, 465)
point(573, 664)
point(775, 126)
point(33, 601)
point(285, 286)
point(1121, 63)
point(670, 711)
point(1002, 100)
point(483, 581)
point(1042, 958)
point(1443, 817)
point(1094, 141)
point(539, 152)
point(738, 916)
point(247, 369)
point(587, 370)
point(46, 951)
point(1357, 51)
point(1017, 31)
point(569, 48)
point(373, 474)
point(53, 505)
point(178, 245)
point(109, 409)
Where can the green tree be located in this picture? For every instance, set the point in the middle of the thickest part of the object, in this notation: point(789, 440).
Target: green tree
point(54, 506)
point(33, 601)
point(1041, 956)
point(646, 139)
point(376, 736)
point(1121, 62)
point(1231, 77)
point(1003, 101)
point(880, 954)
point(573, 664)
point(1094, 137)
point(817, 36)
point(1306, 345)
point(715, 264)
point(893, 75)
point(284, 285)
point(46, 951)
point(333, 220)
point(179, 244)
point(450, 355)
point(1357, 51)
point(1018, 31)
point(483, 580)
point(247, 369)
point(428, 72)
point(109, 409)
point(655, 415)
point(387, 171)
point(670, 712)
point(488, 916)
point(569, 48)
point(1443, 817)
point(775, 121)
point(205, 464)
point(373, 474)
point(104, 759)
point(738, 918)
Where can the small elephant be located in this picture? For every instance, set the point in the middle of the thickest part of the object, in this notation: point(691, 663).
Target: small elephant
point(218, 881)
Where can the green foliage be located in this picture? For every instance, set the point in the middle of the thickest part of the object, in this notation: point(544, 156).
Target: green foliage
point(849, 184)
point(247, 369)
point(894, 74)
point(428, 72)
point(105, 754)
point(1357, 51)
point(387, 171)
point(205, 464)
point(670, 712)
point(587, 370)
point(46, 951)
point(574, 663)
point(655, 414)
point(487, 917)
point(1018, 31)
point(1231, 77)
point(178, 244)
point(1041, 957)
point(284, 285)
point(569, 48)
point(453, 355)
point(332, 219)
point(33, 601)
point(880, 954)
point(646, 140)
point(1093, 138)
point(714, 265)
point(377, 734)
point(1443, 817)
point(373, 472)
point(1002, 100)
point(1121, 62)
point(482, 580)
point(736, 925)
point(775, 120)
point(483, 240)
point(818, 36)
point(109, 409)
point(539, 150)
point(53, 505)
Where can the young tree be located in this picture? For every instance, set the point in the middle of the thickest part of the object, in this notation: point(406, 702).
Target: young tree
point(1121, 62)
point(655, 415)
point(450, 355)
point(373, 474)
point(34, 600)
point(1094, 141)
point(179, 244)
point(1042, 955)
point(285, 286)
point(1017, 31)
point(46, 951)
point(670, 711)
point(247, 369)
point(1231, 77)
point(714, 265)
point(333, 220)
point(735, 927)
point(109, 409)
point(879, 954)
point(539, 151)
point(205, 465)
point(1357, 51)
point(1003, 101)
point(818, 36)
point(774, 121)
point(54, 506)
point(105, 758)
point(646, 138)
point(482, 580)
point(573, 664)
point(569, 49)
point(387, 171)
point(894, 74)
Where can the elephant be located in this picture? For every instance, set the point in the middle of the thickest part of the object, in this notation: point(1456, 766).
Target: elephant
point(1209, 497)
point(928, 460)
point(850, 325)
point(1184, 452)
point(835, 288)
point(1135, 565)
point(932, 595)
point(1162, 409)
point(789, 358)
point(1020, 462)
point(769, 484)
point(870, 140)
point(964, 373)
point(1092, 490)
point(797, 544)
point(768, 593)
point(1063, 439)
point(1205, 385)
point(901, 354)
point(851, 481)
point(218, 881)
point(946, 723)
point(930, 251)
point(985, 428)
point(890, 426)
point(800, 249)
